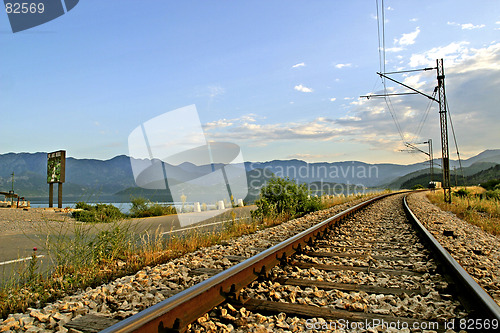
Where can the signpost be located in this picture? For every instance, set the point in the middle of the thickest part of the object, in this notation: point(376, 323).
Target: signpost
point(56, 172)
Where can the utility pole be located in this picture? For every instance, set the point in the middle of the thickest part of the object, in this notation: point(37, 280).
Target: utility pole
point(443, 120)
point(431, 160)
point(12, 191)
point(414, 148)
point(456, 175)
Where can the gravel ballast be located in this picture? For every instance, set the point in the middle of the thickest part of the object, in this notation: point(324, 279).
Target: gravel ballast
point(476, 250)
point(383, 222)
point(130, 294)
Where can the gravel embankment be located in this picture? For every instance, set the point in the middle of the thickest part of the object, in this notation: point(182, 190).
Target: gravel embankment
point(382, 221)
point(131, 294)
point(475, 249)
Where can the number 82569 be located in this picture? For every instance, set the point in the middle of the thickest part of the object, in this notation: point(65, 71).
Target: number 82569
point(24, 8)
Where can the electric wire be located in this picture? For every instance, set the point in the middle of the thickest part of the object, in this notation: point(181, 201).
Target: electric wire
point(424, 118)
point(456, 144)
point(382, 61)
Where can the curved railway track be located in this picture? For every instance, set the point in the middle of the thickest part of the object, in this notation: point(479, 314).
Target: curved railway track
point(371, 266)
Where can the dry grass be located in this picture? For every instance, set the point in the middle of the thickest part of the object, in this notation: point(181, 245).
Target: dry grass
point(82, 258)
point(485, 213)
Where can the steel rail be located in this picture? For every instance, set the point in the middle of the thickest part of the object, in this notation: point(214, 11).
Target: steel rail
point(477, 301)
point(179, 310)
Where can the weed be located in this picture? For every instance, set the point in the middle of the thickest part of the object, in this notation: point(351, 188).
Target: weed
point(472, 206)
point(144, 208)
point(97, 213)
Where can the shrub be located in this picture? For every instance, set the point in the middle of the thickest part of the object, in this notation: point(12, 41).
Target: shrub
point(282, 196)
point(495, 194)
point(83, 205)
point(491, 184)
point(138, 205)
point(97, 213)
point(462, 193)
point(144, 208)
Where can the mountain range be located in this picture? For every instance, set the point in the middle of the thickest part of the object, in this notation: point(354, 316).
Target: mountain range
point(86, 178)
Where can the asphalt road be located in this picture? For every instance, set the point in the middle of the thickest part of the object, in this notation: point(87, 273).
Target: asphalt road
point(18, 246)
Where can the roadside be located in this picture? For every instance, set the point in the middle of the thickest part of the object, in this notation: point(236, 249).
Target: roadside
point(473, 204)
point(22, 230)
point(91, 254)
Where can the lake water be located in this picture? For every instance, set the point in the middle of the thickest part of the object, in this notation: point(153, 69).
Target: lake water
point(123, 206)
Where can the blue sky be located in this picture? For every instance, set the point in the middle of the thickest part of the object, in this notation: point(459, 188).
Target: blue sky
point(281, 79)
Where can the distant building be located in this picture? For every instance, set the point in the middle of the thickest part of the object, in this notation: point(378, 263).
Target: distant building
point(434, 185)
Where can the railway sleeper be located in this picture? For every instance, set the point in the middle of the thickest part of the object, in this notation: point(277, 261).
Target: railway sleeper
point(310, 311)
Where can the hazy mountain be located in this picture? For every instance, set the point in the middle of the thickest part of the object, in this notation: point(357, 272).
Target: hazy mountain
point(87, 177)
point(456, 178)
point(490, 155)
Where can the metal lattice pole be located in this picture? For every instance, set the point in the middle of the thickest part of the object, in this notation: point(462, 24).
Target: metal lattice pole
point(431, 160)
point(444, 131)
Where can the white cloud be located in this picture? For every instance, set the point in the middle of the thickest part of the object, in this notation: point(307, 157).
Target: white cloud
point(262, 134)
point(466, 26)
point(408, 39)
point(472, 81)
point(414, 81)
point(340, 66)
point(222, 123)
point(333, 99)
point(309, 157)
point(414, 19)
point(218, 124)
point(394, 49)
point(301, 64)
point(405, 40)
point(452, 52)
point(303, 88)
point(460, 57)
point(470, 26)
point(350, 118)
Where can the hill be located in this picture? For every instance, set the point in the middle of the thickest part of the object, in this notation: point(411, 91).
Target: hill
point(114, 177)
point(456, 177)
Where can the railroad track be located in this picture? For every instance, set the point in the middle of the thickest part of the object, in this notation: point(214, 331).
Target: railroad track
point(371, 266)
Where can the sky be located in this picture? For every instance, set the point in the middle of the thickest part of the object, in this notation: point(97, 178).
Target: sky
point(281, 79)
